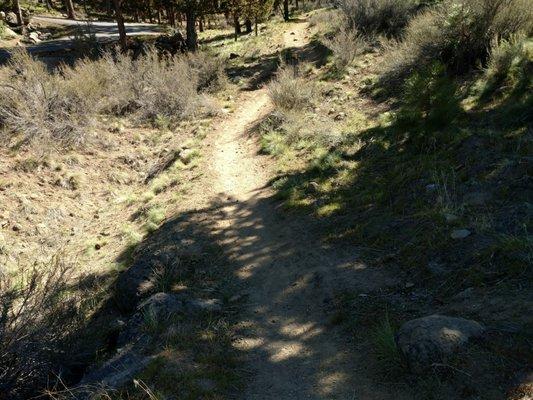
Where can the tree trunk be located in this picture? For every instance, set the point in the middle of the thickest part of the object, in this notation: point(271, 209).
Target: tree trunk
point(201, 24)
point(70, 9)
point(150, 13)
point(192, 37)
point(237, 25)
point(171, 16)
point(286, 10)
point(120, 24)
point(248, 24)
point(17, 10)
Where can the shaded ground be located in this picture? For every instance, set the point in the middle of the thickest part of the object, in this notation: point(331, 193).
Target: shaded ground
point(286, 274)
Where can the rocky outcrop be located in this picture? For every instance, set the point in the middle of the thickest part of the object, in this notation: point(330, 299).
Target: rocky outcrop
point(134, 340)
point(154, 260)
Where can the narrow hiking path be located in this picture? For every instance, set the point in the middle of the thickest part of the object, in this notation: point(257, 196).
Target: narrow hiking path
point(287, 274)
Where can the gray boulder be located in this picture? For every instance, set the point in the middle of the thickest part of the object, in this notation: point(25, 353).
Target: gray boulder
point(428, 340)
point(160, 306)
point(114, 374)
point(460, 234)
point(33, 37)
point(203, 305)
point(11, 19)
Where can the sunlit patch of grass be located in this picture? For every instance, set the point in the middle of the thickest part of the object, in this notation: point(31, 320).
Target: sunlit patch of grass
point(147, 196)
point(154, 216)
point(130, 234)
point(329, 209)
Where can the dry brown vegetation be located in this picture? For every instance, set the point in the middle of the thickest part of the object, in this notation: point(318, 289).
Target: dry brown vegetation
point(62, 106)
point(290, 89)
point(387, 17)
point(456, 33)
point(44, 308)
point(73, 215)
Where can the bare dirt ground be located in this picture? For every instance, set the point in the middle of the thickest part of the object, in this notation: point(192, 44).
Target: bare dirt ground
point(287, 275)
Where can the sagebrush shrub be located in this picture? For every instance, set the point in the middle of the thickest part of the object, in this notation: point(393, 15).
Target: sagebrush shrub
point(209, 70)
point(457, 33)
point(387, 17)
point(165, 87)
point(150, 86)
point(346, 45)
point(42, 309)
point(61, 107)
point(289, 90)
point(37, 104)
point(326, 20)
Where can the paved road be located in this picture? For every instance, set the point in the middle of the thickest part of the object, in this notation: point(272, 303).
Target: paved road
point(103, 30)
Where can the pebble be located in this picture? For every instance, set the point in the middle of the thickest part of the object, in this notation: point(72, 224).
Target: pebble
point(460, 234)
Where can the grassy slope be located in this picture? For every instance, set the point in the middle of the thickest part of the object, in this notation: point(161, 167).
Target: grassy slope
point(93, 207)
point(396, 181)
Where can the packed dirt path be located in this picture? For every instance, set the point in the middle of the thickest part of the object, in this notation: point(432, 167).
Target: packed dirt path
point(287, 275)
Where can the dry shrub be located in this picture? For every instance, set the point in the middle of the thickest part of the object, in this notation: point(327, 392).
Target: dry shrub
point(310, 5)
point(346, 45)
point(42, 307)
point(457, 33)
point(210, 71)
point(150, 87)
point(35, 104)
point(510, 67)
point(289, 90)
point(326, 20)
point(310, 128)
point(89, 79)
point(387, 17)
point(60, 107)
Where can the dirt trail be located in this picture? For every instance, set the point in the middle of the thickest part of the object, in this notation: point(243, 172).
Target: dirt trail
point(292, 351)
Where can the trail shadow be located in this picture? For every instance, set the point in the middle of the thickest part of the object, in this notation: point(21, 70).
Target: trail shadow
point(256, 72)
point(222, 37)
point(279, 264)
point(393, 188)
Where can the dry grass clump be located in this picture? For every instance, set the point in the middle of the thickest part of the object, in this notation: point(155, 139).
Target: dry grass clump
point(346, 45)
point(289, 90)
point(2, 30)
point(387, 17)
point(457, 33)
point(510, 67)
point(41, 309)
